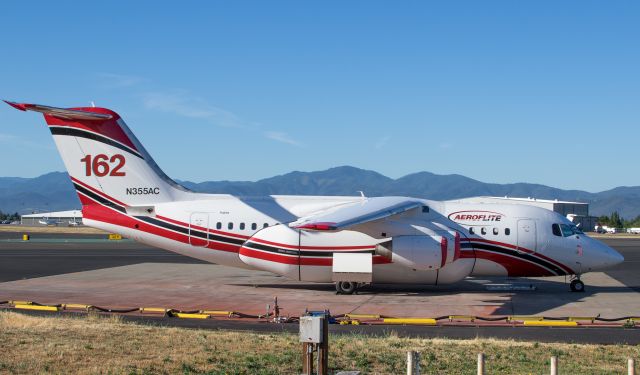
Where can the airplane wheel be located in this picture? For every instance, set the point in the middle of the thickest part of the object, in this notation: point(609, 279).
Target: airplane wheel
point(577, 286)
point(346, 287)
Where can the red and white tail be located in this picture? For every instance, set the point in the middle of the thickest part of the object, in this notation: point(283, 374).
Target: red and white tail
point(105, 161)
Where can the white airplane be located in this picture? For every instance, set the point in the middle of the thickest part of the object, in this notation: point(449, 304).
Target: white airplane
point(47, 221)
point(346, 240)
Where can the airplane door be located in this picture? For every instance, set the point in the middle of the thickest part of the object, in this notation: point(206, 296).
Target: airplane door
point(199, 229)
point(527, 238)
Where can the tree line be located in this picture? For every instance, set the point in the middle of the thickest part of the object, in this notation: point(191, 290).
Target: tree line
point(615, 221)
point(12, 217)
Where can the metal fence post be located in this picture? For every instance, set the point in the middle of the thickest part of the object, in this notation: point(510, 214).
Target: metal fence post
point(323, 348)
point(413, 363)
point(480, 363)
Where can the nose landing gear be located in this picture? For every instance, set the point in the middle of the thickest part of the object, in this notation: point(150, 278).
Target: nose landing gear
point(576, 284)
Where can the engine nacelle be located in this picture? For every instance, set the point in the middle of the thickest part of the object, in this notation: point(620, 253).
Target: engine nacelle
point(422, 252)
point(274, 249)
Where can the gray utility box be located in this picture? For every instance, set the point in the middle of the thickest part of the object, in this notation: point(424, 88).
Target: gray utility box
point(311, 329)
point(353, 267)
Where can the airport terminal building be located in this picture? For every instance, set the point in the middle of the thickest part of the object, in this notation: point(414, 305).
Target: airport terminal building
point(60, 218)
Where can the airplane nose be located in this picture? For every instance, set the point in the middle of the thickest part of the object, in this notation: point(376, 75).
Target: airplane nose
point(617, 257)
point(611, 257)
point(601, 255)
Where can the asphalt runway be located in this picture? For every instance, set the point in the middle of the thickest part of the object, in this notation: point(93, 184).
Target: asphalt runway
point(628, 271)
point(49, 254)
point(90, 269)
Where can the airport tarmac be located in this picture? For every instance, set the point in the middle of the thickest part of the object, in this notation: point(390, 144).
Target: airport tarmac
point(125, 274)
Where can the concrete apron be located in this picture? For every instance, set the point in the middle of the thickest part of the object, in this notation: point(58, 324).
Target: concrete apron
point(203, 286)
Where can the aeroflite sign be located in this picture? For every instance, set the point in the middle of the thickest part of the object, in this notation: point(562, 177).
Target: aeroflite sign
point(475, 217)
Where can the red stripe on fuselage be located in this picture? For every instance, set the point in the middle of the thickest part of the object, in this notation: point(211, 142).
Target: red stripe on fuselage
point(514, 266)
point(98, 212)
point(173, 235)
point(568, 270)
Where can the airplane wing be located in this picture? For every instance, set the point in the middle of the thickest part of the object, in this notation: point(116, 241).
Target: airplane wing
point(346, 216)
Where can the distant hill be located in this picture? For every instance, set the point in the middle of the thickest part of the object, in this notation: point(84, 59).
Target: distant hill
point(53, 191)
point(49, 192)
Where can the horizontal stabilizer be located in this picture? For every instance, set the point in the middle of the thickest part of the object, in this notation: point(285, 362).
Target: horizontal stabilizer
point(67, 114)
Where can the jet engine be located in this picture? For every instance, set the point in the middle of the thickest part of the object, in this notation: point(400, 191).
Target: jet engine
point(422, 252)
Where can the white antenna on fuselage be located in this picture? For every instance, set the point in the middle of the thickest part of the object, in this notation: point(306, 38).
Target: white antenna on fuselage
point(93, 104)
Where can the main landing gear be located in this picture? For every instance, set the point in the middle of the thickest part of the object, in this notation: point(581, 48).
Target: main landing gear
point(576, 284)
point(346, 287)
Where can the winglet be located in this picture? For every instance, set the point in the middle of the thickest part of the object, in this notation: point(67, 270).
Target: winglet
point(20, 106)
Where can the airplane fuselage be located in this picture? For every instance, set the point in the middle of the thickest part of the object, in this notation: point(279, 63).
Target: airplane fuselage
point(496, 239)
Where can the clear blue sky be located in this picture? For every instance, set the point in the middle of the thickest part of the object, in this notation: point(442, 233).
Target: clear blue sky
point(500, 91)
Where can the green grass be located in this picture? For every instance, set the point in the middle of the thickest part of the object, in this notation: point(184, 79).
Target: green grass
point(94, 345)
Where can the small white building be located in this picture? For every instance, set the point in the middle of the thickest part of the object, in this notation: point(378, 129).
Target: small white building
point(59, 218)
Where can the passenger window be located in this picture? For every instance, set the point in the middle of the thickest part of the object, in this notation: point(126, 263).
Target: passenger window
point(265, 225)
point(230, 225)
point(470, 230)
point(555, 228)
point(425, 209)
point(507, 231)
point(483, 230)
point(218, 225)
point(254, 226)
point(495, 231)
point(241, 226)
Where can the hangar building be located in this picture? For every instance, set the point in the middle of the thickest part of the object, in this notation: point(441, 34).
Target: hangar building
point(61, 218)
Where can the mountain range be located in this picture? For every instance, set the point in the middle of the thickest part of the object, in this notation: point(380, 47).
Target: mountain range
point(54, 192)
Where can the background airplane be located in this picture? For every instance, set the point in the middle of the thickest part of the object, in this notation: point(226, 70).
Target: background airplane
point(48, 221)
point(346, 240)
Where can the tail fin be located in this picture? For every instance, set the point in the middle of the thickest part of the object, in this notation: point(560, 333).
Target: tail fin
point(105, 161)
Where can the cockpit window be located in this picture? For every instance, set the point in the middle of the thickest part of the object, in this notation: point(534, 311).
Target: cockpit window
point(565, 230)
